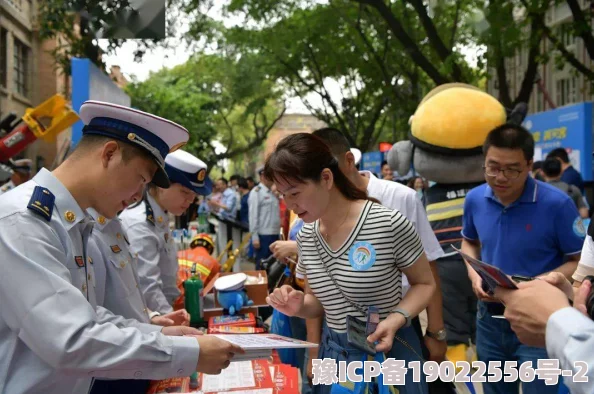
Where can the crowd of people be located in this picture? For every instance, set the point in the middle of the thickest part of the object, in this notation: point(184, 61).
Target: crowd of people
point(87, 303)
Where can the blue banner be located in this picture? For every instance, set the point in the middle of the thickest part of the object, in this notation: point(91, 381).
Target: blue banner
point(372, 162)
point(568, 127)
point(90, 83)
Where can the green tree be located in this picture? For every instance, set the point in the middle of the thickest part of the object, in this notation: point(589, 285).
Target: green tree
point(219, 99)
point(75, 25)
point(311, 46)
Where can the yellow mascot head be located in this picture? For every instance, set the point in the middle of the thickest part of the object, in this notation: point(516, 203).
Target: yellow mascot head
point(447, 132)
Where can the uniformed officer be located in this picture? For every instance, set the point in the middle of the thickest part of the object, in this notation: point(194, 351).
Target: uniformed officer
point(21, 173)
point(147, 225)
point(264, 218)
point(51, 338)
point(116, 289)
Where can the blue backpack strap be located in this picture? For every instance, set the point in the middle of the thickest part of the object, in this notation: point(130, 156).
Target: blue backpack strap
point(150, 217)
point(42, 202)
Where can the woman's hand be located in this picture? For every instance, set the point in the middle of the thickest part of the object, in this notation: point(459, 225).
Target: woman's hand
point(283, 249)
point(286, 300)
point(386, 331)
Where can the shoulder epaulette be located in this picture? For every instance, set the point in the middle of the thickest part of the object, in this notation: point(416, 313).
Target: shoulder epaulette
point(257, 188)
point(42, 202)
point(150, 217)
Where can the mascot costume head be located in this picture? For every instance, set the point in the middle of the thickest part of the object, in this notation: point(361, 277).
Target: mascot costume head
point(447, 133)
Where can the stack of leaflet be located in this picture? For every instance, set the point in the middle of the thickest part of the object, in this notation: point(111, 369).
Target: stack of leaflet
point(258, 346)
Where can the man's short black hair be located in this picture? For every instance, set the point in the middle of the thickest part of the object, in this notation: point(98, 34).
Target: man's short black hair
point(226, 182)
point(510, 136)
point(384, 163)
point(242, 183)
point(234, 177)
point(335, 139)
point(537, 165)
point(250, 178)
point(551, 167)
point(559, 153)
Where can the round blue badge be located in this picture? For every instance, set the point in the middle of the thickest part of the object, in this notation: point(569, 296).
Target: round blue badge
point(362, 256)
point(579, 228)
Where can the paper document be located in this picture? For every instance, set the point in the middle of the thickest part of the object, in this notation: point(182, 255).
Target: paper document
point(265, 341)
point(238, 375)
point(491, 276)
point(253, 355)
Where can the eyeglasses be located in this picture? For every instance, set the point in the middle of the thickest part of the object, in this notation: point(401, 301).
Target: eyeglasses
point(507, 172)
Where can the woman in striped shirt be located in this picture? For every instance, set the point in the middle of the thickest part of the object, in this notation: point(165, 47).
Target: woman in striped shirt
point(352, 252)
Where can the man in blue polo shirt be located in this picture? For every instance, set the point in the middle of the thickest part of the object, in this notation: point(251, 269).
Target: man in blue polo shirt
point(524, 227)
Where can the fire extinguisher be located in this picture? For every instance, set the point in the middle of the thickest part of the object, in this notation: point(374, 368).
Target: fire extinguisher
point(193, 298)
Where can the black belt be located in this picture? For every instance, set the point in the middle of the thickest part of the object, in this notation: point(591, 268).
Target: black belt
point(494, 308)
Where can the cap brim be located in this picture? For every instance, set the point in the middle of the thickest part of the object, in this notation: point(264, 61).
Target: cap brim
point(160, 178)
point(204, 190)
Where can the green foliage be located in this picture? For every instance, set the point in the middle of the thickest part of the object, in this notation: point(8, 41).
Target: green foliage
point(219, 99)
point(309, 45)
point(75, 24)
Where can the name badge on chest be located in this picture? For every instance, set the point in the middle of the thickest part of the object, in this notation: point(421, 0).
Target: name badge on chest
point(362, 256)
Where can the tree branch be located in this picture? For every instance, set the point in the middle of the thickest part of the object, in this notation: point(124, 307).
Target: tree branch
point(368, 132)
point(379, 60)
point(570, 57)
point(254, 143)
point(409, 45)
point(558, 45)
point(442, 51)
point(321, 83)
point(530, 75)
point(455, 24)
point(584, 30)
point(231, 134)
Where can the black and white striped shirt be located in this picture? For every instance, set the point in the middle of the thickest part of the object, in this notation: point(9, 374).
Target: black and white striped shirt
point(367, 267)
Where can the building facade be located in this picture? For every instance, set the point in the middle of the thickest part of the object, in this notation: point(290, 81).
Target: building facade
point(28, 75)
point(290, 124)
point(564, 85)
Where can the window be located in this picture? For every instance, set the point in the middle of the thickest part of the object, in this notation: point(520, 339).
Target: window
point(21, 68)
point(566, 35)
point(3, 57)
point(566, 91)
point(539, 101)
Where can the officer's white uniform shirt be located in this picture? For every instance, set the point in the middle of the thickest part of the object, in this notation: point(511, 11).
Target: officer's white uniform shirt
point(150, 237)
point(570, 338)
point(116, 284)
point(51, 340)
point(396, 196)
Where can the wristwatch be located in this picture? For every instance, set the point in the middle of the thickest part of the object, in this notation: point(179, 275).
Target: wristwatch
point(153, 314)
point(405, 314)
point(439, 335)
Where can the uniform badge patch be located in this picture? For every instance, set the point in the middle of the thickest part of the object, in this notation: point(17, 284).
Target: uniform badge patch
point(42, 203)
point(115, 248)
point(362, 256)
point(579, 228)
point(79, 261)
